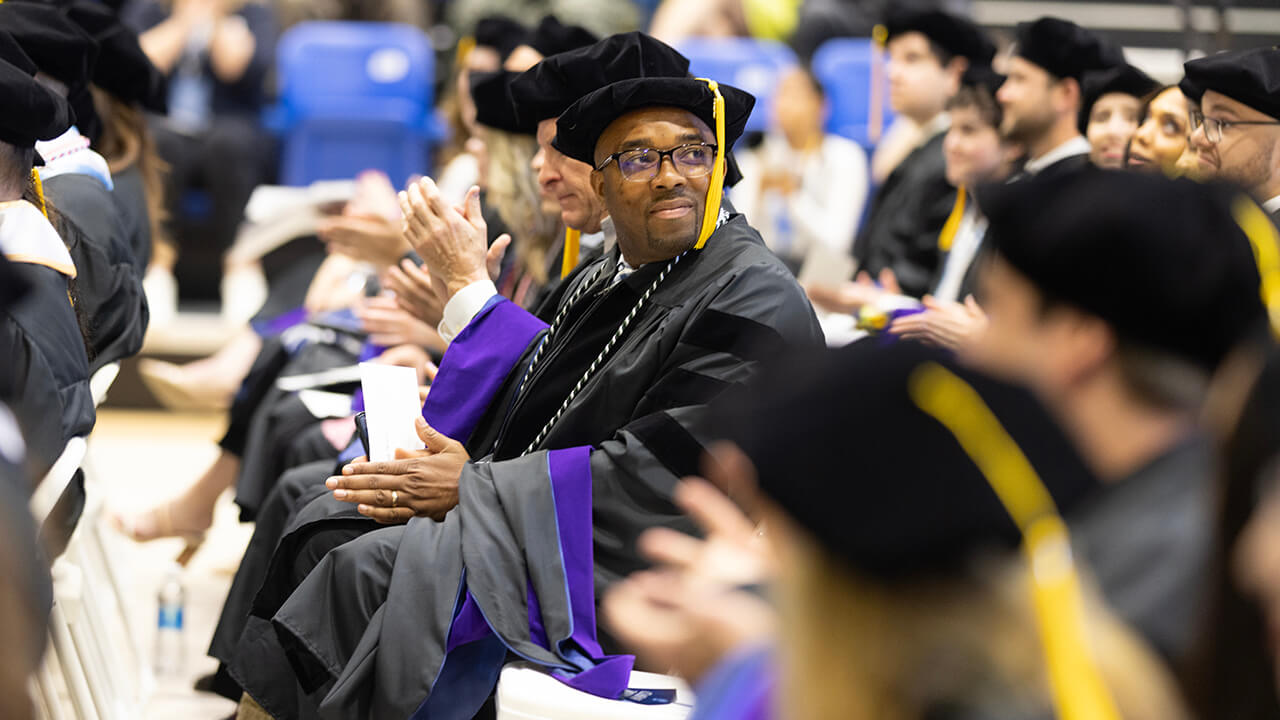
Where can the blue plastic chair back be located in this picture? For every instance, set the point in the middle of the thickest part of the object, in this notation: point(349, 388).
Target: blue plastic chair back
point(353, 96)
point(747, 64)
point(844, 67)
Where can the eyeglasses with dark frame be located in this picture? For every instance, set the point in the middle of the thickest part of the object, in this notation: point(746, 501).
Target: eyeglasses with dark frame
point(1213, 127)
point(641, 164)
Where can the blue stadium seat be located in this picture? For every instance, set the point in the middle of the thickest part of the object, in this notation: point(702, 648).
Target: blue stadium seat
point(747, 64)
point(844, 67)
point(353, 96)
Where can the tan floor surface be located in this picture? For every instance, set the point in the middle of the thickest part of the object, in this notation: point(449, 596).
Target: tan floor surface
point(142, 458)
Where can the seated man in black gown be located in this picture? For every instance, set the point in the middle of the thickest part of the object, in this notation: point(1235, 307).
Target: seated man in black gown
point(581, 433)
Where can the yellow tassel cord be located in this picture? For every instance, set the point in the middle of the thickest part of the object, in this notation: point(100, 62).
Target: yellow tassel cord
point(1075, 682)
point(875, 108)
point(1266, 253)
point(571, 245)
point(711, 214)
point(948, 234)
point(466, 44)
point(39, 186)
point(44, 210)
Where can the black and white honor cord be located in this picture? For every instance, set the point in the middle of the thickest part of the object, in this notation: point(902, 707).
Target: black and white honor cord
point(604, 354)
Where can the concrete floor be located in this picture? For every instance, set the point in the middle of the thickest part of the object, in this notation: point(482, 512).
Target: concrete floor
point(142, 458)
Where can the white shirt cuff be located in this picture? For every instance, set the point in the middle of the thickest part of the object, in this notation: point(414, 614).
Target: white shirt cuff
point(463, 306)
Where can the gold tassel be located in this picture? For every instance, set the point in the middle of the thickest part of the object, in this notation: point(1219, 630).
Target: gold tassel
point(1266, 253)
point(875, 108)
point(952, 226)
point(39, 186)
point(1075, 682)
point(571, 244)
point(711, 213)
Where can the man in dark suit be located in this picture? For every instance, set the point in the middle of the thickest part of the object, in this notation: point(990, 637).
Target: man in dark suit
point(1042, 95)
point(928, 52)
point(1236, 130)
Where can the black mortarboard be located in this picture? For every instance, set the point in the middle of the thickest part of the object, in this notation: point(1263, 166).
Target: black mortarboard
point(61, 49)
point(552, 37)
point(500, 33)
point(1123, 78)
point(957, 35)
point(550, 87)
point(1248, 76)
point(1190, 90)
point(491, 93)
point(982, 76)
point(32, 111)
point(58, 46)
point(1163, 262)
point(1065, 49)
point(123, 69)
point(840, 441)
point(580, 126)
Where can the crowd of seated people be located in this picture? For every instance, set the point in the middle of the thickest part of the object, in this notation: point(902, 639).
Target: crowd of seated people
point(1040, 481)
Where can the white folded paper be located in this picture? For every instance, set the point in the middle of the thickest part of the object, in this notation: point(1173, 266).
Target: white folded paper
point(390, 406)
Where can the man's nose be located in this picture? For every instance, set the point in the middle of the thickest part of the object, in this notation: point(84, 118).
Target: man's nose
point(667, 176)
point(1199, 138)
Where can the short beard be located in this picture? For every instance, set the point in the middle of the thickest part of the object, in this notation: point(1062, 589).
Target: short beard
point(1255, 173)
point(1026, 130)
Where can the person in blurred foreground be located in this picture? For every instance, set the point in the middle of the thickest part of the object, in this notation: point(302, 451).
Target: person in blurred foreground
point(1122, 351)
point(1233, 671)
point(899, 592)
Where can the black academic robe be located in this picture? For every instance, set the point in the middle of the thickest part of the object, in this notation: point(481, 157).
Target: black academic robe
point(907, 214)
point(130, 198)
point(111, 295)
point(46, 371)
point(635, 428)
point(1065, 166)
point(1145, 540)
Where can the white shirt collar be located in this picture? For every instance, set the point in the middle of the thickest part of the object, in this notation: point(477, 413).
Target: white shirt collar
point(610, 233)
point(939, 124)
point(69, 154)
point(1272, 206)
point(1075, 146)
point(26, 236)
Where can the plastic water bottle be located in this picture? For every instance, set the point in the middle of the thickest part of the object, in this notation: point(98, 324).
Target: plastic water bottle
point(171, 602)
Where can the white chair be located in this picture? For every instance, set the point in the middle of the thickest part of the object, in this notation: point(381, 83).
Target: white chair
point(82, 647)
point(63, 652)
point(101, 382)
point(527, 692)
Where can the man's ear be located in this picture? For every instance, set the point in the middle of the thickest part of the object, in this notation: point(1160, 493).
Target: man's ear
point(1090, 344)
point(1068, 94)
point(597, 183)
point(955, 71)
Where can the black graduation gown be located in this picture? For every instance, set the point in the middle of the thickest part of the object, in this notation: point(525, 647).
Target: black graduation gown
point(46, 378)
point(1146, 540)
point(130, 198)
point(110, 285)
point(907, 214)
point(640, 424)
point(27, 582)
